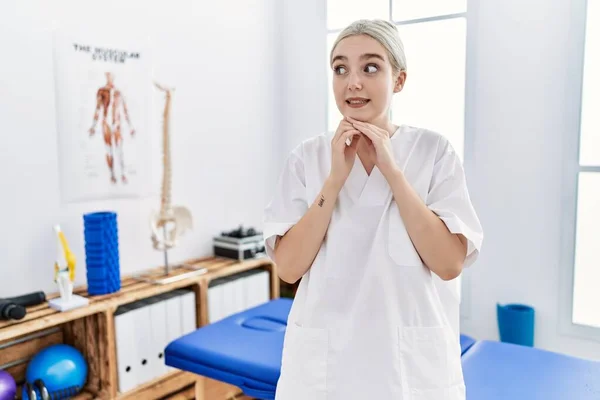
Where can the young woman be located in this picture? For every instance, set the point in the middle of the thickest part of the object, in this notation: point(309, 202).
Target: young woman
point(376, 221)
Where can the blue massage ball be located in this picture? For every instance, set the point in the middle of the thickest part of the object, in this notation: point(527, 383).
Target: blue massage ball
point(61, 367)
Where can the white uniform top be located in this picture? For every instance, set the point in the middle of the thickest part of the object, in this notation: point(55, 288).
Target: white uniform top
point(369, 319)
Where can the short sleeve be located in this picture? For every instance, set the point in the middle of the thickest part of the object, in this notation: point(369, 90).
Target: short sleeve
point(288, 203)
point(448, 197)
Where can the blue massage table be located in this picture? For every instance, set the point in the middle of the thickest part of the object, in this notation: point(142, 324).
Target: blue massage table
point(245, 349)
point(500, 371)
point(465, 343)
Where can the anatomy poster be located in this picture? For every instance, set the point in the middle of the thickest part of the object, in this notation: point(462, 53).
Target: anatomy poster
point(103, 101)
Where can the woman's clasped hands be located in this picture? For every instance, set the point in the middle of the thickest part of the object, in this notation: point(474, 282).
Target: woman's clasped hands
point(376, 147)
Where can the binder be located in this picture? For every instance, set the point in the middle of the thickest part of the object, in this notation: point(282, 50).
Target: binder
point(236, 293)
point(144, 329)
point(125, 349)
point(232, 294)
point(258, 288)
point(227, 305)
point(140, 316)
point(215, 300)
point(238, 297)
point(246, 289)
point(250, 290)
point(173, 325)
point(188, 311)
point(158, 332)
point(263, 284)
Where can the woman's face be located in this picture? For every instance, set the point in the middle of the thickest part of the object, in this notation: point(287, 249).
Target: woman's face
point(363, 79)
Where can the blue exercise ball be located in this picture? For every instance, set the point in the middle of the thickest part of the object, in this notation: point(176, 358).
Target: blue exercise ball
point(60, 366)
point(8, 387)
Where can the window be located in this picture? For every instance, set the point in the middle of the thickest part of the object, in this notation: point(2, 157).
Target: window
point(586, 255)
point(434, 37)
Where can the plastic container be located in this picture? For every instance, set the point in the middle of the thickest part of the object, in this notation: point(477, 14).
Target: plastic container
point(516, 324)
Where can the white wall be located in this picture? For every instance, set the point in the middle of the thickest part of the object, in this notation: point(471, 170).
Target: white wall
point(304, 84)
point(222, 57)
point(523, 112)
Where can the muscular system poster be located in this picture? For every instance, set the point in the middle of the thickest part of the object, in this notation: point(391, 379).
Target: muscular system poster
point(103, 100)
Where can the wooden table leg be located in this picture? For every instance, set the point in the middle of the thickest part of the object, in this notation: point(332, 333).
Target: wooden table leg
point(199, 389)
point(275, 294)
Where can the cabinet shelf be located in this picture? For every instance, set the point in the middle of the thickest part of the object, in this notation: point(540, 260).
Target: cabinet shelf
point(91, 330)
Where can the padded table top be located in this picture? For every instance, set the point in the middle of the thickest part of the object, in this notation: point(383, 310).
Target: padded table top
point(243, 349)
point(500, 371)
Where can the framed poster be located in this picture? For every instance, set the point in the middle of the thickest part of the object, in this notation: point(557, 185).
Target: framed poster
point(104, 92)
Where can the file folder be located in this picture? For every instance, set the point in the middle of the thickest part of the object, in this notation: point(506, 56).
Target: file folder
point(188, 311)
point(173, 310)
point(250, 290)
point(257, 288)
point(246, 290)
point(236, 293)
point(238, 298)
point(125, 349)
point(263, 283)
point(215, 300)
point(228, 297)
point(158, 333)
point(144, 328)
point(145, 361)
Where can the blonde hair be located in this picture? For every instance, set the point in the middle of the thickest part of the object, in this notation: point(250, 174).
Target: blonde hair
point(384, 32)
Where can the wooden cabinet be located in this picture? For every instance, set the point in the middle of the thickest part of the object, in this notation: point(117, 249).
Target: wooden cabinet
point(91, 330)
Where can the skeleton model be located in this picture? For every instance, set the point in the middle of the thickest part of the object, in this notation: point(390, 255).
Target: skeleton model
point(171, 221)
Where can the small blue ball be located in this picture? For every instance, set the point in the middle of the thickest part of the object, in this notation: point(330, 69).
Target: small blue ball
point(59, 366)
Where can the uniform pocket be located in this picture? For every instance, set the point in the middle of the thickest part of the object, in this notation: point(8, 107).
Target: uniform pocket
point(430, 364)
point(400, 247)
point(304, 364)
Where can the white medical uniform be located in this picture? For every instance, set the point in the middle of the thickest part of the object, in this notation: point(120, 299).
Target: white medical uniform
point(370, 320)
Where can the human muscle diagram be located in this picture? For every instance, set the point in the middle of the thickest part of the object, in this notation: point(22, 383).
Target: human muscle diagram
point(104, 92)
point(111, 108)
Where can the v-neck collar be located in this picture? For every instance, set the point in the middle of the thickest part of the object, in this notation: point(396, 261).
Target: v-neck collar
point(373, 189)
